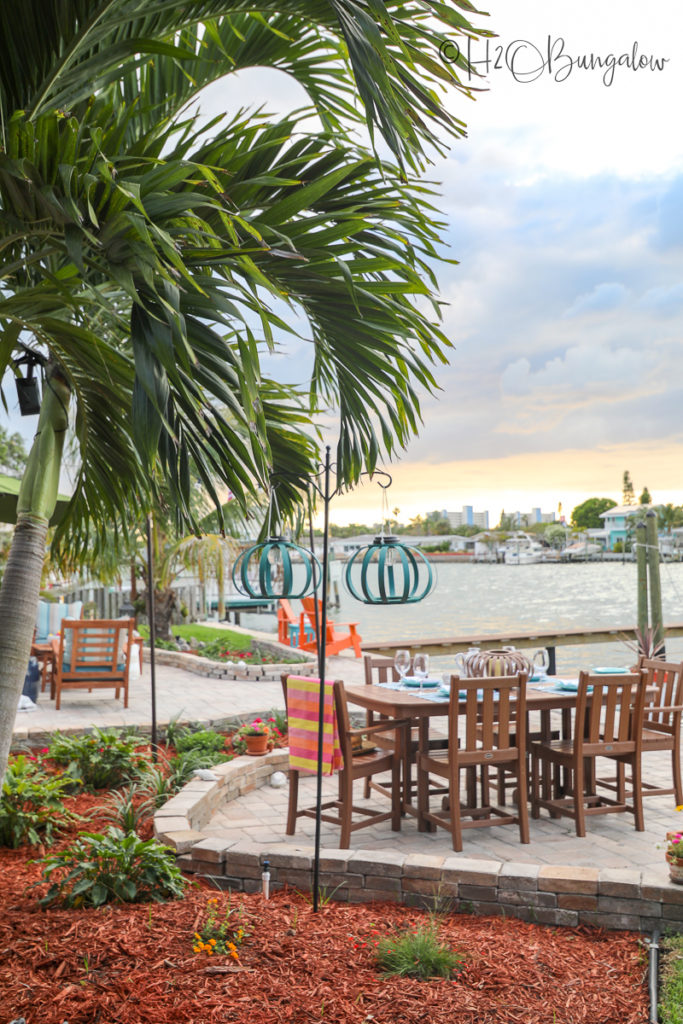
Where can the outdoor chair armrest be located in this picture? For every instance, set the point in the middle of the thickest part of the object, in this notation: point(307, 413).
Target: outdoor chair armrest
point(386, 725)
point(656, 708)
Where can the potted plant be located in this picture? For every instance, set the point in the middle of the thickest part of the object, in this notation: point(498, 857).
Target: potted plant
point(256, 736)
point(674, 856)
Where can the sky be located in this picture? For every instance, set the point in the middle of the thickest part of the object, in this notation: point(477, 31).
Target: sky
point(565, 211)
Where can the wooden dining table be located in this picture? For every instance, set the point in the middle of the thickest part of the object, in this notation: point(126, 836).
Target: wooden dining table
point(408, 704)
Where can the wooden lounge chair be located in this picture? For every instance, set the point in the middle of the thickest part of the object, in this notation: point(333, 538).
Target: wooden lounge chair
point(494, 735)
point(611, 727)
point(354, 766)
point(92, 654)
point(335, 641)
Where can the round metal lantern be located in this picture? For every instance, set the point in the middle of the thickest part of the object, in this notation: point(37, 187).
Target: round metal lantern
point(266, 570)
point(389, 572)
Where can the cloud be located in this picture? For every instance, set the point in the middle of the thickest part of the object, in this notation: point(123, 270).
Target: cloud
point(604, 297)
point(582, 371)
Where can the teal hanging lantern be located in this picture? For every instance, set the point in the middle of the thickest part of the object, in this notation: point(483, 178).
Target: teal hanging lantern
point(268, 570)
point(389, 572)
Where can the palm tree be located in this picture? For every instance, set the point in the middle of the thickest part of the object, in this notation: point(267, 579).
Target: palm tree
point(150, 261)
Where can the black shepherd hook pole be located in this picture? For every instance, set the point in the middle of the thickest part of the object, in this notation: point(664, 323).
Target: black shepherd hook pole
point(321, 633)
point(152, 633)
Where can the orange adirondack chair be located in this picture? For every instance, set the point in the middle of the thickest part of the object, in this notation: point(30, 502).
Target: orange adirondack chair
point(291, 630)
point(334, 640)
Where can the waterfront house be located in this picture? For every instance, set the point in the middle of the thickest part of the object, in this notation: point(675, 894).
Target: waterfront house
point(617, 525)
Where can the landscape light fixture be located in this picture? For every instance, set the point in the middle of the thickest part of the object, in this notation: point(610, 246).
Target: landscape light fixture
point(28, 390)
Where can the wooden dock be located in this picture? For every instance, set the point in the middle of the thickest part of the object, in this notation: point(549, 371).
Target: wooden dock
point(550, 641)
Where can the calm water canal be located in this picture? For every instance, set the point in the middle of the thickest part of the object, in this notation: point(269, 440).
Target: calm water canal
point(479, 598)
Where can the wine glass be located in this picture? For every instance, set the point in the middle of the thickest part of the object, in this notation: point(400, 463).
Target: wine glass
point(421, 667)
point(402, 663)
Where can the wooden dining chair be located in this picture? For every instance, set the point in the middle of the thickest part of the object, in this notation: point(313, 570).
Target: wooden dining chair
point(662, 719)
point(379, 669)
point(355, 765)
point(494, 735)
point(608, 724)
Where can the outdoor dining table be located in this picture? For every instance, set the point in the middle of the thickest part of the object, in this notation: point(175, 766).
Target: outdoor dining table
point(407, 703)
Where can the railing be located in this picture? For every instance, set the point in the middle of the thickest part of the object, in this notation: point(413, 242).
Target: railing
point(550, 641)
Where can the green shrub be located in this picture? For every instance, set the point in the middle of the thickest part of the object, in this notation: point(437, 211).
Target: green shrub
point(206, 740)
point(113, 866)
point(104, 760)
point(31, 804)
point(417, 953)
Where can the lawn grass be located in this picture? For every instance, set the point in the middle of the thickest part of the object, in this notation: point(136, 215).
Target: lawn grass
point(671, 980)
point(207, 634)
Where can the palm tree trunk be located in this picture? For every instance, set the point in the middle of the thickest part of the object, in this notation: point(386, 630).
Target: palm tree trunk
point(21, 582)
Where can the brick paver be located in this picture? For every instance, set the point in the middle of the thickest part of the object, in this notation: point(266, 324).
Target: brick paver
point(259, 816)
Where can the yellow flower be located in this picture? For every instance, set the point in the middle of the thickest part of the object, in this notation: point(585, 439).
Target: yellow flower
point(212, 942)
point(680, 807)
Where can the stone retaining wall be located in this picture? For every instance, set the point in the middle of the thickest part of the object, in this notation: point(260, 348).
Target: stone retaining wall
point(609, 898)
point(217, 670)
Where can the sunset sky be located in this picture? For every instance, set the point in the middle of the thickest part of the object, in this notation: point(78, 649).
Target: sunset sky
point(565, 210)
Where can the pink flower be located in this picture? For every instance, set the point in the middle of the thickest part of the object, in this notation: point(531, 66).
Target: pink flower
point(257, 721)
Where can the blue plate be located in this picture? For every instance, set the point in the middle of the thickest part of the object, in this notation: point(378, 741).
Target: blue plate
point(427, 683)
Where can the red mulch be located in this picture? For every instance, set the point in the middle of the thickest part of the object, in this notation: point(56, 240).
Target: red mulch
point(134, 964)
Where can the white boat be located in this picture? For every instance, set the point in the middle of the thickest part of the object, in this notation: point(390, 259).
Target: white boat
point(523, 550)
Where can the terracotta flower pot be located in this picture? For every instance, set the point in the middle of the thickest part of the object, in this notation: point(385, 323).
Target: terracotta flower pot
point(675, 869)
point(257, 745)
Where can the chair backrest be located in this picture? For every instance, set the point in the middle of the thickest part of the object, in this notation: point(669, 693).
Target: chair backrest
point(494, 715)
point(662, 707)
point(96, 645)
point(379, 670)
point(50, 616)
point(308, 605)
point(285, 618)
point(613, 718)
point(343, 723)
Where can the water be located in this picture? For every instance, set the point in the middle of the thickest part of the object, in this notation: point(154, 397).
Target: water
point(470, 599)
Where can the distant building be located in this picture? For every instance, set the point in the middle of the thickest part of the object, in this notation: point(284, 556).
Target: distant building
point(529, 518)
point(468, 517)
point(616, 522)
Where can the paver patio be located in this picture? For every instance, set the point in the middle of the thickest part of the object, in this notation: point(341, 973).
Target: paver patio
point(259, 816)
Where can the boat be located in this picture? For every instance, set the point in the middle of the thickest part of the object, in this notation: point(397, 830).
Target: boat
point(523, 550)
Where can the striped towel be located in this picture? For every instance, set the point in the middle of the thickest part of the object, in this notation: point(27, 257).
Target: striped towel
point(303, 701)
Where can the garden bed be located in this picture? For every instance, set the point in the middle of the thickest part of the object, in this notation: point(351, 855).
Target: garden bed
point(143, 963)
point(135, 964)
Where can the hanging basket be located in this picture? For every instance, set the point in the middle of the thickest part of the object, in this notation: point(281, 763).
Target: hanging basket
point(389, 572)
point(268, 570)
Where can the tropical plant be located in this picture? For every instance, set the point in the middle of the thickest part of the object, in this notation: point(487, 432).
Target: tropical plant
point(129, 808)
point(31, 804)
point(111, 866)
point(148, 261)
point(103, 760)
